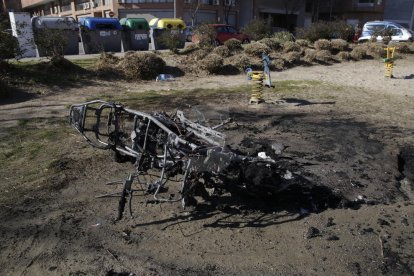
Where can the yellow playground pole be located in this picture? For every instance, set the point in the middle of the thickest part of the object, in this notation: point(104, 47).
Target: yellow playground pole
point(389, 62)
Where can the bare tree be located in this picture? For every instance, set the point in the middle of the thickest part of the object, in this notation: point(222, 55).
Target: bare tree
point(194, 6)
point(228, 6)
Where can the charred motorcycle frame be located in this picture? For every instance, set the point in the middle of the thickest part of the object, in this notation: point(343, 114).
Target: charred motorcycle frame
point(175, 149)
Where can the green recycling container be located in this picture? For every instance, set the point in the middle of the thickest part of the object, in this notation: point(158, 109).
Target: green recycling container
point(136, 34)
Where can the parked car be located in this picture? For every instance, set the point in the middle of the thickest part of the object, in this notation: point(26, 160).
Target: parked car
point(225, 32)
point(375, 28)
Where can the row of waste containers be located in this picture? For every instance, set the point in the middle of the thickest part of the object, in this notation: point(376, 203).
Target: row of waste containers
point(108, 34)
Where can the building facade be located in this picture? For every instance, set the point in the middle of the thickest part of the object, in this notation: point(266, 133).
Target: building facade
point(191, 11)
point(355, 12)
point(400, 11)
point(10, 5)
point(289, 14)
point(281, 14)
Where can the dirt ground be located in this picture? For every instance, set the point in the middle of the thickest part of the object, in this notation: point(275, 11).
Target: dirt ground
point(348, 135)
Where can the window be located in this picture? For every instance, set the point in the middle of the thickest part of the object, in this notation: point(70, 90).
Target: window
point(366, 3)
point(231, 30)
point(65, 5)
point(144, 1)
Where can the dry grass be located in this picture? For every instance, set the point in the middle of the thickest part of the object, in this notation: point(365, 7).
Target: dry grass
point(343, 56)
point(277, 64)
point(272, 43)
point(323, 44)
point(403, 47)
point(339, 44)
point(303, 42)
point(190, 48)
point(291, 46)
point(234, 45)
point(374, 50)
point(256, 49)
point(358, 53)
point(213, 64)
point(141, 66)
point(106, 64)
point(222, 51)
point(310, 55)
point(324, 55)
point(292, 57)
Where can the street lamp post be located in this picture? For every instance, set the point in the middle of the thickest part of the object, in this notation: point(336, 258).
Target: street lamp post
point(175, 8)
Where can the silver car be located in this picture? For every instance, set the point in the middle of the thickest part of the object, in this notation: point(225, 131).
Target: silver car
point(374, 29)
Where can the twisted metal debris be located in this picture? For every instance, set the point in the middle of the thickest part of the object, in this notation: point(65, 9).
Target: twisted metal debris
point(175, 149)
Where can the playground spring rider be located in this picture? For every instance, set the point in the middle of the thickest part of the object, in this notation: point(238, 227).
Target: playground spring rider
point(261, 79)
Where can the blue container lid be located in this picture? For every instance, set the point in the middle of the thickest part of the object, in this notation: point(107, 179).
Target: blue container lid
point(97, 23)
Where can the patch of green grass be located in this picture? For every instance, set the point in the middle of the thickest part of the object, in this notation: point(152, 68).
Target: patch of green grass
point(30, 138)
point(44, 72)
point(88, 64)
point(25, 154)
point(295, 85)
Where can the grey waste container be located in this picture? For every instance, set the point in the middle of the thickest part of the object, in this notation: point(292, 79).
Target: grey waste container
point(135, 35)
point(100, 34)
point(161, 25)
point(50, 30)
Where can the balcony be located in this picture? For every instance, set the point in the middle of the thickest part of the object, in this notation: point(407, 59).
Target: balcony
point(33, 3)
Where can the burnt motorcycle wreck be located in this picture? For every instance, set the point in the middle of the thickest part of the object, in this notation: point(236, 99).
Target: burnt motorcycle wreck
point(175, 150)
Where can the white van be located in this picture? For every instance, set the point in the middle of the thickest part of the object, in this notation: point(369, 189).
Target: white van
point(399, 33)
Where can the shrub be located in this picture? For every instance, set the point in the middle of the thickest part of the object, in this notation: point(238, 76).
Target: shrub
point(358, 53)
point(171, 41)
point(283, 37)
point(272, 43)
point(339, 44)
point(291, 46)
point(323, 55)
point(213, 64)
point(205, 35)
point(241, 62)
point(222, 51)
point(323, 44)
point(292, 57)
point(327, 30)
point(202, 53)
point(403, 47)
point(9, 47)
point(343, 55)
point(256, 49)
point(234, 45)
point(310, 55)
point(106, 63)
point(257, 29)
point(374, 50)
point(277, 64)
point(51, 43)
point(303, 42)
point(141, 66)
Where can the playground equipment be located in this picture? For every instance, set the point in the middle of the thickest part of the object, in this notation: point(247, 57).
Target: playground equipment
point(389, 62)
point(260, 79)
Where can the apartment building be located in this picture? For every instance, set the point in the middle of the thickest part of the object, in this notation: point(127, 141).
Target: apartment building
point(355, 12)
point(211, 11)
point(9, 5)
point(400, 11)
point(281, 14)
